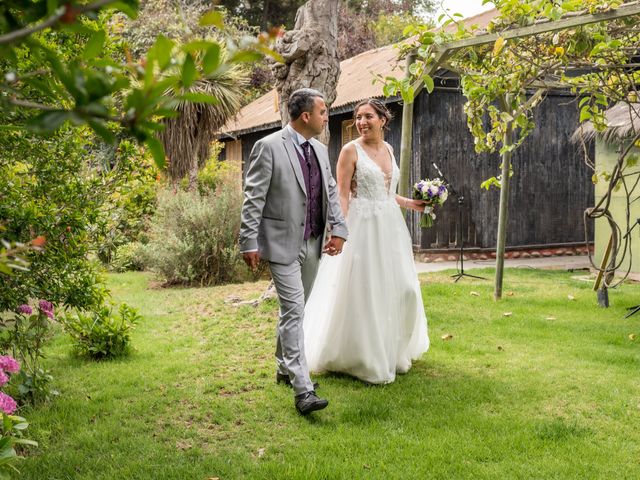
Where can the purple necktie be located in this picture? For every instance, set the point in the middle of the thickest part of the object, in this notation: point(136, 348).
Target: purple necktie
point(306, 151)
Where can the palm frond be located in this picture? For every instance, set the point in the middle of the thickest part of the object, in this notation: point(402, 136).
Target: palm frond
point(187, 137)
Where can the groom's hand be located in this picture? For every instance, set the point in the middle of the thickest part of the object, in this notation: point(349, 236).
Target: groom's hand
point(251, 259)
point(333, 246)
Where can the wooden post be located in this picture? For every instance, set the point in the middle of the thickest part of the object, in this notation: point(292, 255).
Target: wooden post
point(406, 138)
point(603, 264)
point(504, 201)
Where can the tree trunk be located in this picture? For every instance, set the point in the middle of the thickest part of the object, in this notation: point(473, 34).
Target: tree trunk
point(193, 175)
point(310, 53)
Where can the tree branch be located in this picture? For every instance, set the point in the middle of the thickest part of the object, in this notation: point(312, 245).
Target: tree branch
point(55, 18)
point(27, 104)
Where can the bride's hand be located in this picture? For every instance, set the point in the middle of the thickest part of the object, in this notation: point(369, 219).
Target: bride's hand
point(417, 205)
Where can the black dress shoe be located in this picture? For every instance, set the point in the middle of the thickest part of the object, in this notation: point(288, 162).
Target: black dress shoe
point(284, 379)
point(309, 402)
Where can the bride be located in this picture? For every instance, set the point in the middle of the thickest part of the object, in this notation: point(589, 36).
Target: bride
point(365, 315)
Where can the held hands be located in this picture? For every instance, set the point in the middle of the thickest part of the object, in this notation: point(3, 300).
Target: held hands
point(333, 246)
point(252, 259)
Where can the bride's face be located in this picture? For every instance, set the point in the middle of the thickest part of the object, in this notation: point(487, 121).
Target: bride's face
point(368, 123)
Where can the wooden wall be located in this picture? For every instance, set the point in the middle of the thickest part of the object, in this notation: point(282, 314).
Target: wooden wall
point(550, 189)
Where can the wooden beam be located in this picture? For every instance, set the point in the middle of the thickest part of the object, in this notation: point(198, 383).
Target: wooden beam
point(550, 26)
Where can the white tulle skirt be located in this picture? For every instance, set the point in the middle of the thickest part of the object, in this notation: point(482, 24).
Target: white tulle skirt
point(365, 316)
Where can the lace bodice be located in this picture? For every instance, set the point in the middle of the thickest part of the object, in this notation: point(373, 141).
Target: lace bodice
point(371, 183)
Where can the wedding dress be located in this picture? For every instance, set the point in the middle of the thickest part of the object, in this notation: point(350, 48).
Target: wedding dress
point(365, 315)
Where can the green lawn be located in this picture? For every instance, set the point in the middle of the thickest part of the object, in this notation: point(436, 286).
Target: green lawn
point(550, 391)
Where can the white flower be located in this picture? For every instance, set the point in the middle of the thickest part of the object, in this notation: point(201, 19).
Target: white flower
point(10, 77)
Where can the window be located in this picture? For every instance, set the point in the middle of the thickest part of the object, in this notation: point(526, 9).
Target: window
point(233, 151)
point(349, 131)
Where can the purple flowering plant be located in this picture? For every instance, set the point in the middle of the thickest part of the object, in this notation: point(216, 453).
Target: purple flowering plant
point(24, 337)
point(8, 365)
point(46, 308)
point(12, 426)
point(433, 193)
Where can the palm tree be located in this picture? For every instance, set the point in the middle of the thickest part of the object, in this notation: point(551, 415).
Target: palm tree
point(188, 136)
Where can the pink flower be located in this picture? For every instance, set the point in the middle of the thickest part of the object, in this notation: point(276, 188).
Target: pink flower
point(4, 378)
point(7, 404)
point(25, 309)
point(9, 364)
point(45, 306)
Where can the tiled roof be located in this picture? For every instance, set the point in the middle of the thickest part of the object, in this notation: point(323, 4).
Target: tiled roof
point(355, 83)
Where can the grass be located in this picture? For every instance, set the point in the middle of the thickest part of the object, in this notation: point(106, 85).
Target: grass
point(549, 391)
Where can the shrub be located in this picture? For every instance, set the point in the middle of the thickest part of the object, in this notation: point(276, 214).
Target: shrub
point(100, 334)
point(46, 191)
point(132, 181)
point(194, 237)
point(128, 257)
point(214, 171)
point(24, 335)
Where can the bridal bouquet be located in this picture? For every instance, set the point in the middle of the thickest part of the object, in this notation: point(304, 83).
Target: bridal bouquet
point(433, 192)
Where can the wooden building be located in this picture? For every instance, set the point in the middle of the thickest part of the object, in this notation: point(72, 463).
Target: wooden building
point(551, 186)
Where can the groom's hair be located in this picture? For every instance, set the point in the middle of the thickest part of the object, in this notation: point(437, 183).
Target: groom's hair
point(302, 100)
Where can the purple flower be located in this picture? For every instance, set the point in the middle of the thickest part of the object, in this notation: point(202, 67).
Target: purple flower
point(7, 404)
point(25, 309)
point(45, 306)
point(9, 364)
point(4, 378)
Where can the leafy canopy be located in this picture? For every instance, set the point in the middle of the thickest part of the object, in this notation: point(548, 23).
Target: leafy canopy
point(44, 86)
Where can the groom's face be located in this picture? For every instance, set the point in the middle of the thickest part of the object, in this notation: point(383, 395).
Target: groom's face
point(318, 117)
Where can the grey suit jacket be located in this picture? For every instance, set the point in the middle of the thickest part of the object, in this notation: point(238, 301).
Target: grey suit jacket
point(274, 208)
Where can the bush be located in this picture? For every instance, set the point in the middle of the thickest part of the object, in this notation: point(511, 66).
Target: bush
point(132, 181)
point(194, 237)
point(128, 257)
point(46, 190)
point(101, 334)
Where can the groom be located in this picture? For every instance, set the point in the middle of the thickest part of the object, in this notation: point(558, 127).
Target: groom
point(290, 215)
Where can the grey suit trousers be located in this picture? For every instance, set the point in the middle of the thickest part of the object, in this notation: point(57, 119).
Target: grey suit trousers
point(293, 284)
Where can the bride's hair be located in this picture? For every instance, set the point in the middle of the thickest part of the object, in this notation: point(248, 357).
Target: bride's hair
point(380, 108)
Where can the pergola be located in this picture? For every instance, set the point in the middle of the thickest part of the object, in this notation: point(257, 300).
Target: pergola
point(447, 53)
